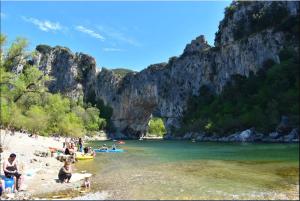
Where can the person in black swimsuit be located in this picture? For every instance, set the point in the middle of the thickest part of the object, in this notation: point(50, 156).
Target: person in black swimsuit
point(65, 173)
point(67, 150)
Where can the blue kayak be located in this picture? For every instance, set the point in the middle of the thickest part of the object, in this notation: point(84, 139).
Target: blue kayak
point(109, 150)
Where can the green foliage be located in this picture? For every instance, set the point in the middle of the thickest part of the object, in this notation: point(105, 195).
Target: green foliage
point(25, 102)
point(71, 125)
point(156, 127)
point(276, 15)
point(258, 19)
point(257, 101)
point(15, 53)
point(44, 49)
point(229, 10)
point(36, 120)
point(122, 71)
point(106, 113)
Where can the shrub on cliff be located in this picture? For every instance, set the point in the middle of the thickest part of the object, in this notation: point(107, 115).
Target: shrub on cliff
point(257, 101)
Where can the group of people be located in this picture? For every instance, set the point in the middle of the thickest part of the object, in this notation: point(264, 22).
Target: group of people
point(71, 146)
point(15, 178)
point(11, 171)
point(65, 174)
point(105, 147)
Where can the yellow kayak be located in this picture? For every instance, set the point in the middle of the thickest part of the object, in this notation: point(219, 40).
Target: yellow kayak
point(81, 156)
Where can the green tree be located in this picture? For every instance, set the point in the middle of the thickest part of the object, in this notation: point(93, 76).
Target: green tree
point(37, 120)
point(156, 127)
point(15, 54)
point(71, 125)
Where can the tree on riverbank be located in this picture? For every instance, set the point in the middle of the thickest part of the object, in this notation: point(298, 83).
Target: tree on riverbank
point(156, 127)
point(26, 103)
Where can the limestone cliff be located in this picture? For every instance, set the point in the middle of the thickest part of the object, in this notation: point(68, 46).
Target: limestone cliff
point(250, 34)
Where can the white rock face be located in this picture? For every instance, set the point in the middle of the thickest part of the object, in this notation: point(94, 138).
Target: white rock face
point(164, 89)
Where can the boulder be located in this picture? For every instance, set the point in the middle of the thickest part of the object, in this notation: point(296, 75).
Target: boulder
point(233, 137)
point(168, 137)
point(258, 137)
point(274, 135)
point(224, 139)
point(188, 136)
point(246, 136)
point(199, 136)
point(293, 135)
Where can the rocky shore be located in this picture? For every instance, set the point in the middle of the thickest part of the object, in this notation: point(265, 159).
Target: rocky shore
point(249, 135)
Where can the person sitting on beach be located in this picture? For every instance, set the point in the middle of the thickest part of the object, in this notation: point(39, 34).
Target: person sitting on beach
point(67, 150)
point(86, 183)
point(92, 152)
point(65, 173)
point(10, 169)
point(72, 148)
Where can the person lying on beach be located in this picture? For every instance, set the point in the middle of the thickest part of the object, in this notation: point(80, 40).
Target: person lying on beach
point(10, 169)
point(65, 173)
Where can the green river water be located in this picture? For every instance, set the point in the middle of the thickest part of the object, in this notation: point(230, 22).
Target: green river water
point(201, 170)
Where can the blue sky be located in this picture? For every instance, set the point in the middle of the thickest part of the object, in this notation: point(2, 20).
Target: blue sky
point(118, 34)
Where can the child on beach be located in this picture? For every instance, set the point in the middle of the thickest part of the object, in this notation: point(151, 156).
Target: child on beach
point(86, 183)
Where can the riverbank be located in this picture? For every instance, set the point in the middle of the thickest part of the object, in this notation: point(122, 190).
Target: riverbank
point(248, 135)
point(39, 172)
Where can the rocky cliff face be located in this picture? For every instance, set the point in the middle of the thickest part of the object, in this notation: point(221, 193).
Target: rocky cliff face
point(244, 42)
point(74, 74)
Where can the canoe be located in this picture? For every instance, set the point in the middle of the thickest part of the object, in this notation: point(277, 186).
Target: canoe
point(109, 150)
point(80, 156)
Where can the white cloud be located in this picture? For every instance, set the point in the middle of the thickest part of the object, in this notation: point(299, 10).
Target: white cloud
point(117, 35)
point(44, 25)
point(89, 32)
point(110, 49)
point(2, 15)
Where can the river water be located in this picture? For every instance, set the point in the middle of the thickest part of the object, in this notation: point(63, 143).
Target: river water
point(202, 170)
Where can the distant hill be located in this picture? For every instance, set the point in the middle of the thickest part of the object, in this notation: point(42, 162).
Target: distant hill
point(122, 71)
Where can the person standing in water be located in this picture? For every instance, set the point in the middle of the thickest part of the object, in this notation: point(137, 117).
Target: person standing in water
point(80, 144)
